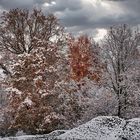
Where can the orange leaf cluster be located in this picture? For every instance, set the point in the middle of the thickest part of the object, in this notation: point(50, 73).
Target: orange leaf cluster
point(82, 59)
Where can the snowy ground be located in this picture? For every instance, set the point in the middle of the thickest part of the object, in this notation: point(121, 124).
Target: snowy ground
point(105, 128)
point(50, 136)
point(100, 128)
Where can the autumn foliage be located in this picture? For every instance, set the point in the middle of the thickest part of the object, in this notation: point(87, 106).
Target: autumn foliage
point(83, 59)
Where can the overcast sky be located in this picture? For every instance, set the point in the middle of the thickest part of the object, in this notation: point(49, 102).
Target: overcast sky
point(84, 16)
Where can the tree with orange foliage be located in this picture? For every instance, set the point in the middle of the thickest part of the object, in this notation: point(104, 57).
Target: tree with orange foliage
point(83, 59)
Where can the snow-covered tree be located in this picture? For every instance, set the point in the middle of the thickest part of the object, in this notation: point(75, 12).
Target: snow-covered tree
point(31, 87)
point(120, 51)
point(37, 43)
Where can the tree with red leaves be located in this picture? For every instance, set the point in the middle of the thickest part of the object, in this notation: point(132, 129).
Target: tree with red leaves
point(83, 59)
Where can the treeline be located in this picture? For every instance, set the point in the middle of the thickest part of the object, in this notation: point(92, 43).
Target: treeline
point(57, 81)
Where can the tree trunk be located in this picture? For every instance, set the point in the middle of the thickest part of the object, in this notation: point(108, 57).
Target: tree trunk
point(119, 114)
point(122, 102)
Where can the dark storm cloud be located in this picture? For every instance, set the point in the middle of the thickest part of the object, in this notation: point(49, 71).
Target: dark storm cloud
point(92, 14)
point(84, 15)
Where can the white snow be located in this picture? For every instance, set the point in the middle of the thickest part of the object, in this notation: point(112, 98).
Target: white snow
point(2, 75)
point(27, 101)
point(50, 136)
point(18, 92)
point(100, 128)
point(105, 128)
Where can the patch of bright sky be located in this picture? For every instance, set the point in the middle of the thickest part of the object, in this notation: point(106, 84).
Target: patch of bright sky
point(102, 7)
point(100, 35)
point(49, 4)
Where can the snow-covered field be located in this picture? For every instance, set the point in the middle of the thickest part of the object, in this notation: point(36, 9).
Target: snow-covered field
point(100, 128)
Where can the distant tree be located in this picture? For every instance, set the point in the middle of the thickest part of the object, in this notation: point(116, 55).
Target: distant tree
point(120, 53)
point(83, 58)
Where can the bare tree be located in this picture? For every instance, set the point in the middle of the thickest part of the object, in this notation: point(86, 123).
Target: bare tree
point(21, 30)
point(120, 51)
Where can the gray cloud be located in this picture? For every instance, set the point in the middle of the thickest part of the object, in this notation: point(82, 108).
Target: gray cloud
point(84, 15)
point(100, 14)
point(8, 4)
